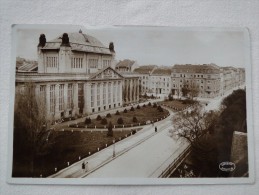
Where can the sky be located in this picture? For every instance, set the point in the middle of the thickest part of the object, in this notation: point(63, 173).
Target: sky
point(149, 45)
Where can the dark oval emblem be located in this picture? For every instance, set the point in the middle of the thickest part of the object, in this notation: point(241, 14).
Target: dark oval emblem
point(227, 166)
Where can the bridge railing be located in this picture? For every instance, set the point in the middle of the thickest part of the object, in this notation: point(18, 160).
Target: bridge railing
point(176, 162)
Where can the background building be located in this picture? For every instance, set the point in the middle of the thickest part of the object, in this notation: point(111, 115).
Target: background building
point(126, 65)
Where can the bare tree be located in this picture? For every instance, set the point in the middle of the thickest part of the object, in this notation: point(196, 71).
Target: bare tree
point(194, 89)
point(31, 133)
point(190, 89)
point(192, 123)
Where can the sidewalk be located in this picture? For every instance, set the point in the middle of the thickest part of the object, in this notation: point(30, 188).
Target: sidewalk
point(104, 156)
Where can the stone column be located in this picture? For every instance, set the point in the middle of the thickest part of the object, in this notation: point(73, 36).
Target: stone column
point(48, 114)
point(115, 92)
point(57, 115)
point(75, 99)
point(87, 98)
point(137, 89)
point(101, 96)
point(126, 90)
point(66, 112)
point(120, 95)
point(130, 84)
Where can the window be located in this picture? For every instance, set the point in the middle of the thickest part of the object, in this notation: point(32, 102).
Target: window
point(61, 97)
point(52, 62)
point(43, 94)
point(76, 62)
point(93, 63)
point(70, 96)
point(92, 94)
point(52, 98)
point(106, 63)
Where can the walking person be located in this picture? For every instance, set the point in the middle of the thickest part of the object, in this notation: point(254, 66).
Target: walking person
point(155, 129)
point(83, 166)
point(86, 167)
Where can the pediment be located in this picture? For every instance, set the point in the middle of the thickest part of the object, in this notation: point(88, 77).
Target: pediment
point(107, 73)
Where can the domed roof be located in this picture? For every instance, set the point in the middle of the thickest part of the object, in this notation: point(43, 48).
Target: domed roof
point(79, 42)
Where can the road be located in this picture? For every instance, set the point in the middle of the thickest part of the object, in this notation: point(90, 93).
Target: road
point(146, 159)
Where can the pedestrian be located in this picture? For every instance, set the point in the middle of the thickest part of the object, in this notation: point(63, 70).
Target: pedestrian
point(155, 129)
point(83, 166)
point(86, 167)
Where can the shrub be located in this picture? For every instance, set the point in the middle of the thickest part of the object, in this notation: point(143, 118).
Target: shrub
point(132, 108)
point(104, 121)
point(134, 131)
point(160, 109)
point(135, 120)
point(170, 97)
point(125, 110)
point(154, 105)
point(138, 107)
point(108, 115)
point(99, 118)
point(120, 121)
point(88, 121)
point(110, 131)
point(144, 105)
point(149, 103)
point(152, 96)
point(117, 113)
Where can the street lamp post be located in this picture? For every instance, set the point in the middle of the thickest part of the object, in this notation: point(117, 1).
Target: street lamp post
point(113, 148)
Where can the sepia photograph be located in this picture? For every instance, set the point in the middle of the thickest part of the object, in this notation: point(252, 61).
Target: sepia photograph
point(131, 105)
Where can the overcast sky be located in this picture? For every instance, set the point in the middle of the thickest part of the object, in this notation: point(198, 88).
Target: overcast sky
point(150, 45)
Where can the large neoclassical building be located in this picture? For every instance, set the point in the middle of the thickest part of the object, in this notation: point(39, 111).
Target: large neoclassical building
point(76, 75)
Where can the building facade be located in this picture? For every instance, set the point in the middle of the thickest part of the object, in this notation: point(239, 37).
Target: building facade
point(75, 77)
point(205, 79)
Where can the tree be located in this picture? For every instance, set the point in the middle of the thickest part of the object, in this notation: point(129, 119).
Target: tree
point(31, 134)
point(88, 121)
point(190, 89)
point(170, 97)
point(120, 121)
point(110, 131)
point(104, 121)
point(135, 120)
point(191, 124)
point(194, 89)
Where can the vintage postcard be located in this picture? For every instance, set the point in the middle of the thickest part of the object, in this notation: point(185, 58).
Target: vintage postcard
point(130, 105)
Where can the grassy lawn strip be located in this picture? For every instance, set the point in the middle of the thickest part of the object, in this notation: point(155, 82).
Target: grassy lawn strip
point(177, 104)
point(68, 146)
point(144, 114)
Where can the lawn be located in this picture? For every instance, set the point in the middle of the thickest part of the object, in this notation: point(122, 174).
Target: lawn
point(67, 147)
point(143, 114)
point(177, 104)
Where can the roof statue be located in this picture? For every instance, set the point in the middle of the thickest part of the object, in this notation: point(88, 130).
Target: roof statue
point(42, 40)
point(65, 40)
point(111, 47)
